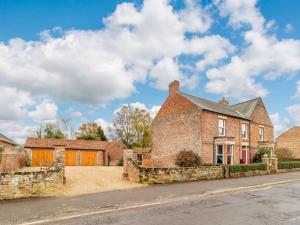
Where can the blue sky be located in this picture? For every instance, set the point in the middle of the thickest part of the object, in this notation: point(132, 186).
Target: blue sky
point(83, 59)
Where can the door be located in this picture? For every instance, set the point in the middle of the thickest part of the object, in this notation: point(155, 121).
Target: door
point(244, 154)
point(88, 158)
point(70, 158)
point(40, 156)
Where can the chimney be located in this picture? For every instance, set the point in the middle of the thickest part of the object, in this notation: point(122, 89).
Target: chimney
point(224, 101)
point(174, 87)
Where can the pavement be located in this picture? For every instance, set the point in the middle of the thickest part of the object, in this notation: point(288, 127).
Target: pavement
point(273, 199)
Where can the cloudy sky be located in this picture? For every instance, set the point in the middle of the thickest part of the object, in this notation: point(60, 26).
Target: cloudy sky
point(84, 59)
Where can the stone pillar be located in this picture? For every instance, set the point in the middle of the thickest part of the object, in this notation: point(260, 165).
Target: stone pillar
point(59, 159)
point(274, 164)
point(265, 160)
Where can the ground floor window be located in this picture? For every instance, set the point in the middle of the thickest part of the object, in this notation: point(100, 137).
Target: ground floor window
point(219, 154)
point(139, 159)
point(244, 154)
point(229, 154)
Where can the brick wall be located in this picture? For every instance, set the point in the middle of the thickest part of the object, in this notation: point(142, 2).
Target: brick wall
point(290, 140)
point(10, 162)
point(27, 184)
point(115, 152)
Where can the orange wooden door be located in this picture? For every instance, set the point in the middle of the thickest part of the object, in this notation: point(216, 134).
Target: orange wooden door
point(39, 156)
point(70, 158)
point(88, 158)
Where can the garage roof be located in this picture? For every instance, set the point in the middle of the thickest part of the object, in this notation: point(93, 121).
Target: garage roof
point(72, 144)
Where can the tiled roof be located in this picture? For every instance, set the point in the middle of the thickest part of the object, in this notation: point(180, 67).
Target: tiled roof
point(214, 106)
point(72, 144)
point(6, 139)
point(246, 108)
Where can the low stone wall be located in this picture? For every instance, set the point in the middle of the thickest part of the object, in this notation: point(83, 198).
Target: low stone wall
point(28, 184)
point(10, 162)
point(249, 173)
point(288, 170)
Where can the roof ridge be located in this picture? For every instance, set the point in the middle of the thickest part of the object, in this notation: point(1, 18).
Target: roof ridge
point(7, 138)
point(246, 101)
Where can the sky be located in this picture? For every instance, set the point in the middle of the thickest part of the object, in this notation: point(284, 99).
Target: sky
point(83, 60)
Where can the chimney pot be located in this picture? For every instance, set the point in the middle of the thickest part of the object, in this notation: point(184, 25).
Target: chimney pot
point(174, 87)
point(224, 101)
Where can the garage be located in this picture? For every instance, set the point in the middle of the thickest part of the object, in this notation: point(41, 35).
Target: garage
point(41, 156)
point(70, 158)
point(88, 158)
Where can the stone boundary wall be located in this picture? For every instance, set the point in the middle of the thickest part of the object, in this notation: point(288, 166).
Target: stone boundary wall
point(28, 184)
point(134, 173)
point(10, 162)
point(288, 170)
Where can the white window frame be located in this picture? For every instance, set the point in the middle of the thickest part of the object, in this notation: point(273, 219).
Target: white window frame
point(261, 133)
point(231, 154)
point(216, 154)
point(222, 129)
point(246, 131)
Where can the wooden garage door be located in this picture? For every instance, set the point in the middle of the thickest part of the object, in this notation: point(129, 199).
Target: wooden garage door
point(88, 158)
point(70, 158)
point(39, 156)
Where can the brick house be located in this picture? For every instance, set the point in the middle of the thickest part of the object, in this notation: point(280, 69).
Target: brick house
point(6, 144)
point(290, 140)
point(218, 132)
point(76, 152)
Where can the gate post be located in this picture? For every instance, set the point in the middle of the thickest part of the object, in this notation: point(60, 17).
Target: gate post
point(265, 160)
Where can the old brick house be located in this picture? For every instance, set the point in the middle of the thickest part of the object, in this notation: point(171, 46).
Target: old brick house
point(6, 144)
point(76, 152)
point(290, 140)
point(218, 132)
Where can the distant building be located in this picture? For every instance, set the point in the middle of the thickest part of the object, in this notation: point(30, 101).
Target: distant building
point(6, 144)
point(77, 152)
point(290, 140)
point(217, 132)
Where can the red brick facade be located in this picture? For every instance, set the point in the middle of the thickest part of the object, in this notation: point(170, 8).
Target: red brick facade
point(290, 140)
point(183, 125)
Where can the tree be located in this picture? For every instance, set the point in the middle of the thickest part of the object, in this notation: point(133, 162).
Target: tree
point(91, 131)
point(53, 131)
point(133, 126)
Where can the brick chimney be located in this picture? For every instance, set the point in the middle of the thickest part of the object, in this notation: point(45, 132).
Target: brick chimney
point(224, 101)
point(174, 87)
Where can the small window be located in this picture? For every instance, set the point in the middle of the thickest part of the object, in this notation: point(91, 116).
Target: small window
point(221, 127)
point(245, 131)
point(261, 134)
point(139, 159)
point(219, 154)
point(229, 154)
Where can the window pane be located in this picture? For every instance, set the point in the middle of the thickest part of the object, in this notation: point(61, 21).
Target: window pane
point(229, 159)
point(219, 159)
point(220, 150)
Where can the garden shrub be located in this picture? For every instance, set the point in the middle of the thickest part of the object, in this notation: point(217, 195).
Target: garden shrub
point(187, 159)
point(284, 154)
point(288, 164)
point(245, 168)
point(261, 152)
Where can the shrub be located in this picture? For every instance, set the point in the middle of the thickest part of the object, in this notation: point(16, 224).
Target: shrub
point(261, 152)
point(187, 159)
point(284, 154)
point(289, 165)
point(245, 168)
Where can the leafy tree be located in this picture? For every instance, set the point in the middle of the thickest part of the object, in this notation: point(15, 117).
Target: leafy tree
point(133, 126)
point(53, 131)
point(91, 131)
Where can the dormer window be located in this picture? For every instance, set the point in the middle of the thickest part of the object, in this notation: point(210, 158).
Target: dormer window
point(245, 131)
point(221, 127)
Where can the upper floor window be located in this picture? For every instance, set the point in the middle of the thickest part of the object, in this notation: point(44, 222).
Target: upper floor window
point(261, 134)
point(245, 131)
point(221, 127)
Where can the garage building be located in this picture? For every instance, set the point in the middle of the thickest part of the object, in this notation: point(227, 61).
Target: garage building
point(77, 152)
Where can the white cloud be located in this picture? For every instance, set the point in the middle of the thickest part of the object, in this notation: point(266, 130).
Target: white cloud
point(281, 124)
point(46, 111)
point(288, 28)
point(297, 95)
point(264, 55)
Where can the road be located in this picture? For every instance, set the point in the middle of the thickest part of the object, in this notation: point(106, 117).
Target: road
point(273, 200)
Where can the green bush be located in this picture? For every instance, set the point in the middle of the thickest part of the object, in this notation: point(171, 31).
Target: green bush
point(245, 168)
point(187, 159)
point(289, 165)
point(284, 154)
point(261, 152)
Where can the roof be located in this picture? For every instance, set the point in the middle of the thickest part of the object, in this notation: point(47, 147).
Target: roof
point(246, 108)
point(7, 140)
point(214, 106)
point(72, 144)
point(287, 131)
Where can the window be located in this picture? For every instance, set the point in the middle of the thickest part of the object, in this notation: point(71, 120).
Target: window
point(261, 134)
point(244, 159)
point(219, 154)
point(139, 159)
point(244, 131)
point(229, 154)
point(221, 127)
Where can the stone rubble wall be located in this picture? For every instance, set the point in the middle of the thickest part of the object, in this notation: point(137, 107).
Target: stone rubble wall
point(28, 184)
point(10, 162)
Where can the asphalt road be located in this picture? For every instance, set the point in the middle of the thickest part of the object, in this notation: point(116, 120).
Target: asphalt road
point(208, 202)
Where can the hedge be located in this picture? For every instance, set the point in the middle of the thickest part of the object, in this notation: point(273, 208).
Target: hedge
point(249, 167)
point(288, 165)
